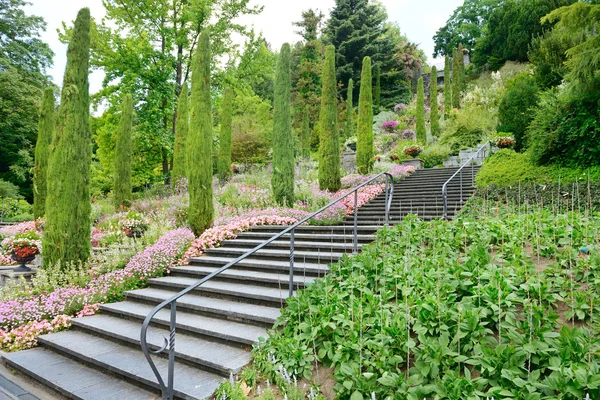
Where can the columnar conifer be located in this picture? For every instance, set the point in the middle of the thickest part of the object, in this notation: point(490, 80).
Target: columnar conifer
point(377, 88)
point(329, 148)
point(434, 115)
point(457, 78)
point(42, 153)
point(199, 145)
point(181, 134)
point(282, 180)
point(350, 123)
point(224, 161)
point(421, 131)
point(67, 229)
point(447, 88)
point(305, 139)
point(364, 142)
point(123, 150)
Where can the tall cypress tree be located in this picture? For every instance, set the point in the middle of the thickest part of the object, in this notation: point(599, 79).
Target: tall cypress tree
point(364, 142)
point(199, 145)
point(350, 123)
point(421, 131)
point(305, 139)
point(456, 79)
point(329, 148)
point(181, 134)
point(67, 229)
point(224, 161)
point(123, 150)
point(447, 87)
point(433, 103)
point(282, 180)
point(462, 84)
point(42, 153)
point(377, 88)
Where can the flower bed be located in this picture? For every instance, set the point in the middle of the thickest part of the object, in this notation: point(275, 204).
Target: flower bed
point(23, 318)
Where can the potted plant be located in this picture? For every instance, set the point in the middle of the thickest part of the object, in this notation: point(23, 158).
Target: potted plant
point(413, 151)
point(23, 248)
point(134, 225)
point(504, 142)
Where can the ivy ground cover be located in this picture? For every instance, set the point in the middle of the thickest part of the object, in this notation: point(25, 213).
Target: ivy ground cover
point(496, 303)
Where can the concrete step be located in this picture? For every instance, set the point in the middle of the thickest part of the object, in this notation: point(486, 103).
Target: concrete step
point(323, 257)
point(73, 379)
point(336, 229)
point(324, 245)
point(212, 356)
point(254, 314)
point(253, 264)
point(230, 332)
point(130, 364)
point(241, 292)
point(338, 238)
point(259, 278)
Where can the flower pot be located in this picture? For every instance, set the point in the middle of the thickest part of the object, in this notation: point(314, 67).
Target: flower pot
point(352, 146)
point(22, 261)
point(414, 162)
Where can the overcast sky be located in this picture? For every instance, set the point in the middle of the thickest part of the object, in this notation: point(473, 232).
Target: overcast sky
point(418, 19)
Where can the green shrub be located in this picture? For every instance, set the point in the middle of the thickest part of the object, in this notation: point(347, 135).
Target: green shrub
point(435, 155)
point(467, 128)
point(565, 131)
point(515, 109)
point(508, 168)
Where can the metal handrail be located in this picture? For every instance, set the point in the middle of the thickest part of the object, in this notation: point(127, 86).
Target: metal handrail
point(167, 389)
point(444, 187)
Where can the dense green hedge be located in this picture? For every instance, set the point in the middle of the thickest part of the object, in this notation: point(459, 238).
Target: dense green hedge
point(506, 168)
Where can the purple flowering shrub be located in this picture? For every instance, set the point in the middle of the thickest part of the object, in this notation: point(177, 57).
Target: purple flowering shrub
point(389, 125)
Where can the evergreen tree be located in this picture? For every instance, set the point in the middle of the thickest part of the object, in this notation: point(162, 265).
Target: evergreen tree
point(421, 131)
point(67, 229)
point(282, 179)
point(434, 115)
point(350, 123)
point(462, 84)
point(305, 140)
point(377, 88)
point(455, 80)
point(42, 153)
point(224, 161)
point(123, 150)
point(364, 143)
point(447, 88)
point(181, 134)
point(199, 145)
point(329, 148)
point(357, 29)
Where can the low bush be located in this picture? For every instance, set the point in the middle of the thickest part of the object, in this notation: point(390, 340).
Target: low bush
point(467, 128)
point(506, 168)
point(435, 154)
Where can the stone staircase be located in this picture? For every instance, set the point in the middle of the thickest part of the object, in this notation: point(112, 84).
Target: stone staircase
point(100, 357)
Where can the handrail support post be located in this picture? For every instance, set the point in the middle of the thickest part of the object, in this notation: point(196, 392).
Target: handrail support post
point(355, 235)
point(291, 283)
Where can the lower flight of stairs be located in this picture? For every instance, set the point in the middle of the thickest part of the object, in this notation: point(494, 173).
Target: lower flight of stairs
point(100, 357)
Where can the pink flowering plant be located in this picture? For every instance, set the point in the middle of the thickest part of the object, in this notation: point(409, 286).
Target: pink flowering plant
point(24, 318)
point(389, 126)
point(134, 225)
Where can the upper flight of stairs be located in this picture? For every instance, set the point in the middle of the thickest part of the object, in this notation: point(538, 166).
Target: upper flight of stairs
point(100, 357)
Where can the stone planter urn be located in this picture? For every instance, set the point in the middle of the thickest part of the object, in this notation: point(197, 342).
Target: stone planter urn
point(22, 261)
point(415, 162)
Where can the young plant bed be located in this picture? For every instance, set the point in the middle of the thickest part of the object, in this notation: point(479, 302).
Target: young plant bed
point(500, 302)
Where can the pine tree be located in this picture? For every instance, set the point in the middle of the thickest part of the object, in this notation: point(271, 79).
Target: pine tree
point(421, 131)
point(447, 88)
point(224, 161)
point(305, 140)
point(433, 103)
point(199, 145)
point(377, 88)
point(282, 180)
point(357, 28)
point(67, 229)
point(123, 150)
point(350, 123)
point(364, 143)
point(181, 134)
point(42, 153)
point(329, 148)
